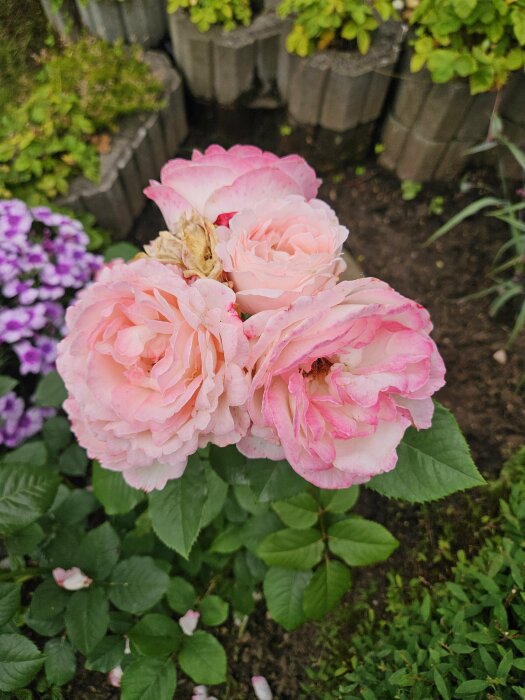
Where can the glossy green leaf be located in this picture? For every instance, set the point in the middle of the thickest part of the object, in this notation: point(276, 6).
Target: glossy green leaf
point(283, 592)
point(292, 549)
point(203, 658)
point(327, 586)
point(87, 619)
point(137, 584)
point(149, 679)
point(360, 542)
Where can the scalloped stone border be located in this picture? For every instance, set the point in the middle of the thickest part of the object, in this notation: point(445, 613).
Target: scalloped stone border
point(135, 21)
point(429, 126)
point(139, 150)
point(223, 66)
point(340, 90)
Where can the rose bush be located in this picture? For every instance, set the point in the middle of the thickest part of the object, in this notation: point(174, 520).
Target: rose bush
point(337, 380)
point(277, 251)
point(154, 370)
point(219, 182)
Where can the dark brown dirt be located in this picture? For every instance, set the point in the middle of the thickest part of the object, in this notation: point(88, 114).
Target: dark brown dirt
point(386, 237)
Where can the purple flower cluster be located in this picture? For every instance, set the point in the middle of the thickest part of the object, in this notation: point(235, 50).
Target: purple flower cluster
point(16, 423)
point(43, 261)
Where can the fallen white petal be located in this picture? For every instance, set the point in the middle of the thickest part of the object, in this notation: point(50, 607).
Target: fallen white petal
point(189, 621)
point(115, 676)
point(261, 688)
point(71, 579)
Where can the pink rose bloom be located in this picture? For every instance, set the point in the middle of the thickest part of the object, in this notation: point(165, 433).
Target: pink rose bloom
point(154, 368)
point(219, 181)
point(280, 250)
point(338, 378)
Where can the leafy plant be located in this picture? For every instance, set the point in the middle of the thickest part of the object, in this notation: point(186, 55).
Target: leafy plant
point(207, 13)
point(202, 547)
point(482, 40)
point(78, 93)
point(410, 189)
point(318, 24)
point(508, 273)
point(463, 638)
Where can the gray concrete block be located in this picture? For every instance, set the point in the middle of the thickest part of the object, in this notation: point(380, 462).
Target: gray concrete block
point(156, 140)
point(411, 92)
point(475, 124)
point(393, 138)
point(420, 158)
point(377, 91)
point(63, 20)
point(344, 99)
point(135, 21)
point(234, 62)
point(443, 111)
point(513, 102)
point(307, 86)
point(267, 31)
point(109, 206)
point(131, 181)
point(453, 160)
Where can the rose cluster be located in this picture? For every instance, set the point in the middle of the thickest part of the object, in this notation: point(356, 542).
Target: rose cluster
point(43, 262)
point(233, 328)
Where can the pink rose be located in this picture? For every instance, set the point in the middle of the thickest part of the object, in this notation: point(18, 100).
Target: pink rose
point(338, 378)
point(154, 368)
point(218, 182)
point(277, 251)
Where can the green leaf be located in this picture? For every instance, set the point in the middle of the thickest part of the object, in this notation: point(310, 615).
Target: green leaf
point(203, 659)
point(33, 453)
point(149, 679)
point(256, 528)
point(176, 511)
point(106, 655)
point(20, 661)
point(181, 595)
point(99, 552)
point(431, 464)
point(300, 511)
point(284, 591)
point(228, 540)
point(215, 498)
point(471, 687)
point(7, 384)
point(271, 480)
point(155, 635)
point(87, 619)
point(117, 497)
point(73, 461)
point(465, 213)
point(339, 501)
point(326, 588)
point(57, 434)
point(213, 610)
point(9, 601)
point(292, 549)
point(48, 600)
point(229, 464)
point(25, 541)
point(60, 663)
point(360, 542)
point(123, 250)
point(75, 507)
point(50, 391)
point(26, 493)
point(137, 584)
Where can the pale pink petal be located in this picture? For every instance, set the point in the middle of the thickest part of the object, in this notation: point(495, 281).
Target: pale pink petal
point(261, 688)
point(189, 621)
point(71, 579)
point(115, 676)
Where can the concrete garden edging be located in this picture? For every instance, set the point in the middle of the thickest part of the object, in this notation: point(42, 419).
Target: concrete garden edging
point(138, 151)
point(223, 66)
point(430, 126)
point(340, 90)
point(135, 21)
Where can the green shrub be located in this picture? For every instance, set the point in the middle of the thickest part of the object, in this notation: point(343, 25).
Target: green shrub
point(206, 13)
point(318, 23)
point(78, 93)
point(482, 40)
point(461, 639)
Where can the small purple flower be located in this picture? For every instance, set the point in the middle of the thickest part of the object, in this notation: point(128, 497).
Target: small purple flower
point(30, 357)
